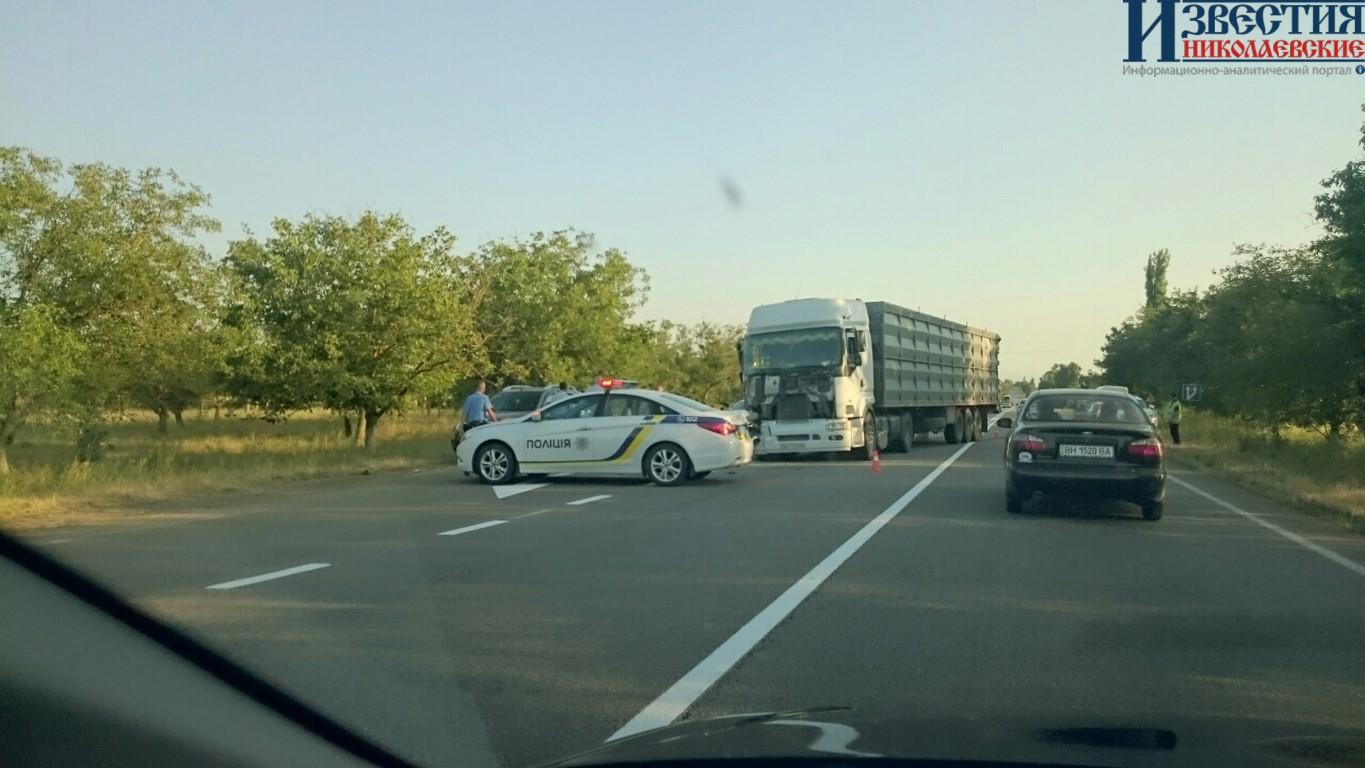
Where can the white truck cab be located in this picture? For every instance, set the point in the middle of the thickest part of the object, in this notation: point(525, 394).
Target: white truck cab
point(807, 367)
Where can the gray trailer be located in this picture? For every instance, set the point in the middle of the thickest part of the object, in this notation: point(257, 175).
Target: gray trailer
point(931, 374)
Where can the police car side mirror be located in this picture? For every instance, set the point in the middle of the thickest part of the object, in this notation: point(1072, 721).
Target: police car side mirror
point(535, 416)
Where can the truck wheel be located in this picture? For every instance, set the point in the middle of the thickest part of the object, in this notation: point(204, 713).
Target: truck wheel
point(974, 425)
point(952, 429)
point(904, 435)
point(869, 438)
point(883, 437)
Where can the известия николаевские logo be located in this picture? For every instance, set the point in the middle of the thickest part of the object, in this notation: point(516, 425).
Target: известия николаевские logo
point(1327, 33)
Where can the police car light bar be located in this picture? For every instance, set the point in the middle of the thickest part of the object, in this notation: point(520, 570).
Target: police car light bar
point(607, 382)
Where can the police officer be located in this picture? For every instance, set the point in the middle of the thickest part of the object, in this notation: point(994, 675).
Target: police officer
point(477, 408)
point(1173, 417)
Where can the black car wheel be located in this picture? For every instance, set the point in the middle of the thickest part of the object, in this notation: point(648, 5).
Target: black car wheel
point(1152, 510)
point(1013, 503)
point(495, 464)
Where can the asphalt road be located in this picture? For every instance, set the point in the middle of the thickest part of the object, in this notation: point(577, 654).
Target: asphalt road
point(517, 642)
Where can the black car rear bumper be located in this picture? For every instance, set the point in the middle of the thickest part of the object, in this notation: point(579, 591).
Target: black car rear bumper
point(1136, 484)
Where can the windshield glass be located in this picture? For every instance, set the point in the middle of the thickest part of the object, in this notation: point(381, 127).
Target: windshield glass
point(794, 349)
point(516, 400)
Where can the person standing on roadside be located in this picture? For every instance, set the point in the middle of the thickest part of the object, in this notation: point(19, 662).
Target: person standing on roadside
point(1173, 417)
point(477, 408)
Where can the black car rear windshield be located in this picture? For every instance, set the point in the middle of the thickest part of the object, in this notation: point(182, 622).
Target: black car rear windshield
point(1095, 409)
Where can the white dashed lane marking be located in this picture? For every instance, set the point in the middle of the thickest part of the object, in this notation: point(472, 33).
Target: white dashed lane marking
point(268, 576)
point(589, 499)
point(472, 528)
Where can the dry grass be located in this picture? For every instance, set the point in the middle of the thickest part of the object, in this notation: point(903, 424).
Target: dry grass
point(205, 456)
point(1301, 468)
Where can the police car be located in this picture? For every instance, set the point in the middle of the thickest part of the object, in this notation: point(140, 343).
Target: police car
point(610, 430)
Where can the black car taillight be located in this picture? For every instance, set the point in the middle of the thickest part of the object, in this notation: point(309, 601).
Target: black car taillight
point(1028, 443)
point(1148, 449)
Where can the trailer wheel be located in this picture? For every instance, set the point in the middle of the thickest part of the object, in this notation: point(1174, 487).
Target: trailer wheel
point(952, 428)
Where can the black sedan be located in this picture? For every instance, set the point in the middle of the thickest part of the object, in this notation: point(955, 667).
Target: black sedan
point(1088, 443)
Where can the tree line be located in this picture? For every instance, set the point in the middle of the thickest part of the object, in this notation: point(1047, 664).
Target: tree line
point(110, 302)
point(1277, 340)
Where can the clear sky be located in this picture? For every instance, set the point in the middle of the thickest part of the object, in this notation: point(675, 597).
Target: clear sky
point(986, 161)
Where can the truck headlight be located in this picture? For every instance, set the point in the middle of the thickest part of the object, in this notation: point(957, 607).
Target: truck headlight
point(835, 426)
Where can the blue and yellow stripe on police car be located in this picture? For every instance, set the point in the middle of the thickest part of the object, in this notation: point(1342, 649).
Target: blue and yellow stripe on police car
point(625, 452)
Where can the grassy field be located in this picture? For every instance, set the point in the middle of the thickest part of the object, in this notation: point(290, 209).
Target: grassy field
point(205, 456)
point(1301, 468)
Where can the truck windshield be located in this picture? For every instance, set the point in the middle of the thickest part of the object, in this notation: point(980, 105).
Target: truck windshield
point(794, 349)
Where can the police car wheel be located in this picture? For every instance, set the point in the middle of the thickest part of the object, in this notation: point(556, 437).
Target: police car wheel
point(700, 475)
point(667, 464)
point(495, 464)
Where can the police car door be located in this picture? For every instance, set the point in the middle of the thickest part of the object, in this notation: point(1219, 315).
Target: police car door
point(563, 434)
point(626, 427)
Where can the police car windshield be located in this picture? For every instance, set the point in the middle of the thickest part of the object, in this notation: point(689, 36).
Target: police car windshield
point(516, 400)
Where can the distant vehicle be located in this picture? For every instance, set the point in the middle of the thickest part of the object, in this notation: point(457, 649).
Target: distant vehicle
point(624, 431)
point(1087, 442)
point(826, 375)
point(1147, 408)
point(515, 402)
point(1006, 402)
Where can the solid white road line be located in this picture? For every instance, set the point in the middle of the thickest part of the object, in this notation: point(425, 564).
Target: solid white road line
point(1344, 562)
point(471, 528)
point(682, 694)
point(589, 500)
point(503, 491)
point(268, 576)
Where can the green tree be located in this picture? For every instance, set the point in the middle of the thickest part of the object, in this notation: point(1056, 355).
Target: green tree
point(113, 252)
point(549, 309)
point(1154, 283)
point(40, 361)
point(1341, 211)
point(1061, 376)
point(360, 316)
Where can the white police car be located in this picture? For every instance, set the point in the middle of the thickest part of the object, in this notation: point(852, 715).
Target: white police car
point(667, 438)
